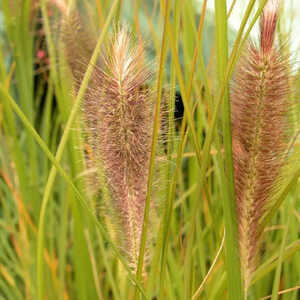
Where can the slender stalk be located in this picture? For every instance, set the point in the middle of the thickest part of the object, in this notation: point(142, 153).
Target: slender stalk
point(153, 146)
point(276, 282)
point(233, 267)
point(197, 293)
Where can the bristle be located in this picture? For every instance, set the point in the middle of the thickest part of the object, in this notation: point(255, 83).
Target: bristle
point(259, 105)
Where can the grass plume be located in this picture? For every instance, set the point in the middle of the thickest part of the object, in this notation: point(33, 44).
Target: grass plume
point(118, 115)
point(126, 120)
point(259, 100)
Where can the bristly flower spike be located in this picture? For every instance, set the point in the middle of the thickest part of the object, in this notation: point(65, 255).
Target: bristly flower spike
point(118, 119)
point(259, 105)
point(126, 106)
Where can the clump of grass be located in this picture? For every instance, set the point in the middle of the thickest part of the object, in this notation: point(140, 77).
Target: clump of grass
point(68, 253)
point(260, 105)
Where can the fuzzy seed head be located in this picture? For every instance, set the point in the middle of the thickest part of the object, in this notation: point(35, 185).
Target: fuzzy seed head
point(118, 111)
point(259, 106)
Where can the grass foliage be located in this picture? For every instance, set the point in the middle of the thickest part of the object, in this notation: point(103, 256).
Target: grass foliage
point(77, 197)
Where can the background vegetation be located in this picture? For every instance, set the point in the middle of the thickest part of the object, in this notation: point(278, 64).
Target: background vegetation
point(52, 245)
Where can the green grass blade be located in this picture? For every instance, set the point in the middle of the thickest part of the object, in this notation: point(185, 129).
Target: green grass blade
point(153, 146)
point(233, 266)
